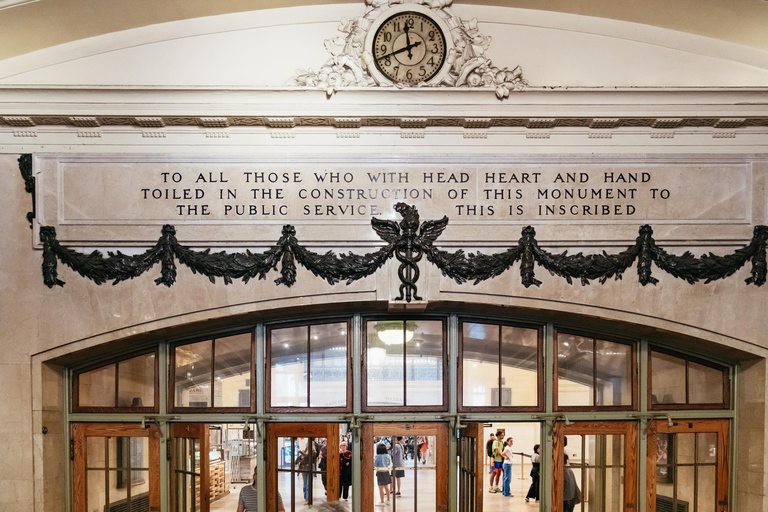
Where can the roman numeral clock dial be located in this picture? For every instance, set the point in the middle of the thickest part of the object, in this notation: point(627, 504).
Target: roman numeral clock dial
point(409, 48)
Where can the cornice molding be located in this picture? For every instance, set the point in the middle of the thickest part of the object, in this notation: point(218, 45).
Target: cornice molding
point(603, 110)
point(660, 124)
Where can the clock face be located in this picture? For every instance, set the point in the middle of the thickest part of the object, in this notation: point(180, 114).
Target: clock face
point(409, 48)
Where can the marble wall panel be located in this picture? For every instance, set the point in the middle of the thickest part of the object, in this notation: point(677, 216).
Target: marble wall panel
point(38, 319)
point(103, 199)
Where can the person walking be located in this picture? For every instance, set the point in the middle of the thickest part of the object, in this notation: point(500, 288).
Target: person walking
point(423, 447)
point(507, 468)
point(498, 449)
point(322, 465)
point(304, 464)
point(382, 463)
point(397, 460)
point(345, 470)
point(533, 490)
point(571, 491)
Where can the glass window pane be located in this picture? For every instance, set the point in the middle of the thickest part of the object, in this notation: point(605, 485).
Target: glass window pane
point(136, 382)
point(384, 357)
point(705, 384)
point(289, 366)
point(96, 388)
point(94, 450)
point(480, 364)
point(575, 365)
point(112, 447)
point(614, 489)
point(706, 500)
point(232, 371)
point(118, 490)
point(519, 366)
point(667, 379)
point(613, 373)
point(422, 487)
point(193, 375)
point(328, 365)
point(685, 448)
point(664, 469)
point(131, 453)
point(96, 489)
point(706, 448)
point(614, 450)
point(424, 362)
point(684, 488)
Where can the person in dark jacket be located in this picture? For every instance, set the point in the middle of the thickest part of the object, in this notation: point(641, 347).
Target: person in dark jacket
point(533, 490)
point(345, 470)
point(570, 489)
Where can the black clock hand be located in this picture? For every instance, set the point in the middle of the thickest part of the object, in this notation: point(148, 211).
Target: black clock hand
point(408, 41)
point(401, 50)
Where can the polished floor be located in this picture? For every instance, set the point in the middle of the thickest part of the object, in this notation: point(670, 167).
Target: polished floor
point(411, 500)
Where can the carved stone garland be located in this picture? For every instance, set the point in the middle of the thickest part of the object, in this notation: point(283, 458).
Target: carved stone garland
point(408, 241)
point(469, 66)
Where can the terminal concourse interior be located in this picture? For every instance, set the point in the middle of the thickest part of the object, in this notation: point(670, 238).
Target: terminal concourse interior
point(399, 255)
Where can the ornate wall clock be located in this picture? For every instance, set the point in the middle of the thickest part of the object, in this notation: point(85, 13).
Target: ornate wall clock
point(409, 45)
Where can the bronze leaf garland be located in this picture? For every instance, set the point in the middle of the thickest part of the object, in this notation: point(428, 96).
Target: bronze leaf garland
point(408, 241)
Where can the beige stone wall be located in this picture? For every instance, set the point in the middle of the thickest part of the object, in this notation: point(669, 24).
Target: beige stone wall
point(41, 323)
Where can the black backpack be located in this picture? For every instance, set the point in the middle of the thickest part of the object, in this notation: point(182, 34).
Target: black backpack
point(489, 448)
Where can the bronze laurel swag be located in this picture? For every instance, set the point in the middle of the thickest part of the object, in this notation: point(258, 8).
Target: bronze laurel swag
point(409, 241)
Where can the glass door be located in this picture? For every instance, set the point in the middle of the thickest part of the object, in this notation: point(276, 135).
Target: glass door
point(405, 467)
point(471, 456)
point(688, 466)
point(303, 467)
point(190, 467)
point(595, 467)
point(116, 467)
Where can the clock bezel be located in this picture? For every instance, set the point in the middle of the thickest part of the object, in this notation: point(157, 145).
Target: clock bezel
point(435, 17)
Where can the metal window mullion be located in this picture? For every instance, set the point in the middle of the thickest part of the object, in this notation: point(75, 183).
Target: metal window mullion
point(293, 475)
point(357, 400)
point(696, 474)
point(213, 366)
point(163, 376)
point(594, 372)
point(67, 399)
point(733, 442)
point(310, 475)
point(673, 437)
point(309, 340)
point(182, 457)
point(392, 440)
point(106, 469)
point(405, 367)
point(642, 437)
point(583, 468)
point(500, 377)
point(129, 473)
point(545, 451)
point(416, 457)
point(453, 398)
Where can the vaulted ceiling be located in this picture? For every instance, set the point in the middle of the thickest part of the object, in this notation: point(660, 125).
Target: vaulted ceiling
point(39, 24)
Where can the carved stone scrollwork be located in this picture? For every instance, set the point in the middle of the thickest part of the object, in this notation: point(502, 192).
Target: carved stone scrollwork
point(351, 62)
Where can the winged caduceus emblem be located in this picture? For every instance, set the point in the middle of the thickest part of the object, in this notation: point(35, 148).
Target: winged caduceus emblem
point(408, 241)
